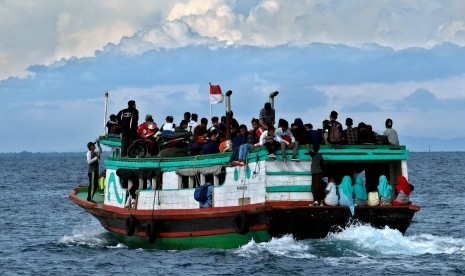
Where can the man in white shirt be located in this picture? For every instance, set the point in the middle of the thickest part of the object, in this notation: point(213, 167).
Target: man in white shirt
point(391, 133)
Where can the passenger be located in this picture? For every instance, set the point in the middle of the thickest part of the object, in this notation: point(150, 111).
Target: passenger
point(267, 116)
point(128, 120)
point(148, 126)
point(391, 133)
point(169, 127)
point(350, 134)
point(385, 191)
point(313, 138)
point(212, 145)
point(287, 140)
point(360, 191)
point(334, 129)
point(366, 135)
point(200, 134)
point(215, 125)
point(187, 117)
point(299, 131)
point(346, 194)
point(235, 128)
point(331, 197)
point(239, 140)
point(317, 176)
point(182, 127)
point(271, 141)
point(252, 141)
point(113, 126)
point(324, 133)
point(92, 172)
point(193, 122)
point(403, 190)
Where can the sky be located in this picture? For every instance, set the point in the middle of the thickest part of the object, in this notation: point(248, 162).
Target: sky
point(368, 60)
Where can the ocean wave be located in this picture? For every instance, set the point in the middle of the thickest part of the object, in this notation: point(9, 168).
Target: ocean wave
point(91, 235)
point(284, 246)
point(388, 241)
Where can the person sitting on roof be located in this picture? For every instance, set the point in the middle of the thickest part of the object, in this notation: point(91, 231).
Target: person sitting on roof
point(271, 141)
point(239, 140)
point(113, 126)
point(384, 191)
point(299, 131)
point(212, 145)
point(334, 129)
point(252, 141)
point(182, 127)
point(391, 133)
point(366, 135)
point(403, 190)
point(350, 134)
point(287, 140)
point(149, 127)
point(193, 122)
point(169, 127)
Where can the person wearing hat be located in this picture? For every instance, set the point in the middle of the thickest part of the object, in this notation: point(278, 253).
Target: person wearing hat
point(128, 120)
point(92, 161)
point(391, 133)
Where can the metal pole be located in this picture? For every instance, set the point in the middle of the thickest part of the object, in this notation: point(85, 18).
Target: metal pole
point(272, 95)
point(105, 114)
point(228, 115)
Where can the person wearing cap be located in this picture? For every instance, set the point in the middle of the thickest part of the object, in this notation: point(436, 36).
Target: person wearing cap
point(391, 133)
point(92, 161)
point(128, 120)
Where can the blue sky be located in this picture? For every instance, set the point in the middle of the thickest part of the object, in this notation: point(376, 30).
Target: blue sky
point(369, 60)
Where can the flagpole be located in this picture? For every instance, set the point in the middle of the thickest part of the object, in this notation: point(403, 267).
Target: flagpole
point(105, 114)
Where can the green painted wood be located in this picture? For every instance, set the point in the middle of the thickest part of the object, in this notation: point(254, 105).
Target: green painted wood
point(289, 188)
point(223, 241)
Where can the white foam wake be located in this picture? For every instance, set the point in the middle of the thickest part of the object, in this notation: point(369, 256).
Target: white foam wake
point(89, 234)
point(284, 246)
point(392, 242)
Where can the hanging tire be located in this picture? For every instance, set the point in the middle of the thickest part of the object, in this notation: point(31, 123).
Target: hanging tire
point(241, 223)
point(131, 225)
point(151, 231)
point(138, 148)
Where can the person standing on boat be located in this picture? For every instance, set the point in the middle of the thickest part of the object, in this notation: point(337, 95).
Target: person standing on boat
point(318, 190)
point(267, 116)
point(93, 171)
point(391, 133)
point(128, 120)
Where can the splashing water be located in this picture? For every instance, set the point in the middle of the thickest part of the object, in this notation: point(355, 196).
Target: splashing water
point(284, 246)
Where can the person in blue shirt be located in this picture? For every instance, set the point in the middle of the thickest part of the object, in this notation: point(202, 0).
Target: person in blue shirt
point(212, 146)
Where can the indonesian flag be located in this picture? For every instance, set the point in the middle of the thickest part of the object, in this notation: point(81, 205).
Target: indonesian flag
point(216, 96)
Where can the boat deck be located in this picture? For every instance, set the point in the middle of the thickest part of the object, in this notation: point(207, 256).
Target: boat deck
point(82, 194)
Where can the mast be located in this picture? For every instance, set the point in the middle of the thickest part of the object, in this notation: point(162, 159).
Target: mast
point(105, 114)
point(228, 115)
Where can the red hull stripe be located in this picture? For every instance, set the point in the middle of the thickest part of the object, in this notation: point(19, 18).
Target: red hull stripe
point(189, 234)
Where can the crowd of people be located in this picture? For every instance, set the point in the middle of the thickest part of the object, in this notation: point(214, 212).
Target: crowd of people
point(211, 139)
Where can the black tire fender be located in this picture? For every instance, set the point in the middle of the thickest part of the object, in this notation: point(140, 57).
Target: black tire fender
point(151, 232)
point(241, 223)
point(131, 225)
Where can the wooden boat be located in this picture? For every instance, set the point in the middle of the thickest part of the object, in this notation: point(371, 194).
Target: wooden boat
point(264, 199)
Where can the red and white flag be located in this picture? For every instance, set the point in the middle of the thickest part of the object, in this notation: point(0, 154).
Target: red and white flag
point(216, 96)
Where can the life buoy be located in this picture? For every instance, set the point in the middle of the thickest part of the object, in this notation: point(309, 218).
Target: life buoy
point(241, 223)
point(131, 225)
point(151, 231)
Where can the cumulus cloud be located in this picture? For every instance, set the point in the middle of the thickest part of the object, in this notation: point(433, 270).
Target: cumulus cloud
point(52, 30)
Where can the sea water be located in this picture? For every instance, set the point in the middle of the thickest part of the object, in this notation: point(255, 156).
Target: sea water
point(44, 233)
